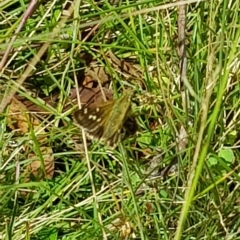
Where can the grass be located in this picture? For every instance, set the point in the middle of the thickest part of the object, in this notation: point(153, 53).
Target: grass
point(56, 184)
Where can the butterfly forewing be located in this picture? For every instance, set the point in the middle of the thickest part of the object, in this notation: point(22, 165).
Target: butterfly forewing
point(92, 119)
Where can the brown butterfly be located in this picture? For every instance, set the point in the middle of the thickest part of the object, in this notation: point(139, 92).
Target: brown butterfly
point(104, 121)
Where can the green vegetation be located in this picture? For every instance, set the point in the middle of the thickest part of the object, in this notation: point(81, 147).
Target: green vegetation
point(175, 176)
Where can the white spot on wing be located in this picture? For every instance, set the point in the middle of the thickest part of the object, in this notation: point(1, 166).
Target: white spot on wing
point(93, 117)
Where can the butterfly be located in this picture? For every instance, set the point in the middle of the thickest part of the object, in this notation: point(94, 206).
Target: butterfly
point(104, 121)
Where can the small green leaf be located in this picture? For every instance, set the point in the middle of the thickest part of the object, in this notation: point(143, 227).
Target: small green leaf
point(212, 161)
point(163, 193)
point(145, 138)
point(227, 155)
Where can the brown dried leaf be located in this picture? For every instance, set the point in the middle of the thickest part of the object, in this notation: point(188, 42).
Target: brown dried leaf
point(182, 139)
point(87, 96)
point(19, 118)
point(95, 73)
point(124, 227)
point(32, 107)
point(35, 168)
point(127, 69)
point(88, 81)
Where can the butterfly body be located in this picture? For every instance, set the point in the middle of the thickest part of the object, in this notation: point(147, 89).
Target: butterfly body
point(104, 121)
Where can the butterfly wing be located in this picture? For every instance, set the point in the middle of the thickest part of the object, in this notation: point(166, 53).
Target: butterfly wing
point(116, 119)
point(93, 118)
point(104, 121)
